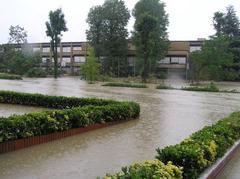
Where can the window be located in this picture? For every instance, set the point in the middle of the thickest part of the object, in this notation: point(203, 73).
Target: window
point(58, 49)
point(46, 49)
point(44, 60)
point(166, 60)
point(178, 60)
point(77, 48)
point(195, 48)
point(79, 59)
point(174, 60)
point(65, 60)
point(182, 60)
point(36, 49)
point(131, 61)
point(66, 49)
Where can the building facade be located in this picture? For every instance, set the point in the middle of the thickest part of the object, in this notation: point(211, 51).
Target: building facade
point(71, 55)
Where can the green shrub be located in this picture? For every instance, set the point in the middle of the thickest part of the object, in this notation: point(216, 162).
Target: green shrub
point(129, 85)
point(36, 73)
point(10, 76)
point(151, 169)
point(202, 148)
point(78, 112)
point(209, 88)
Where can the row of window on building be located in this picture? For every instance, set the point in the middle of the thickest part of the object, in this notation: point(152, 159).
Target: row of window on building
point(65, 60)
point(47, 49)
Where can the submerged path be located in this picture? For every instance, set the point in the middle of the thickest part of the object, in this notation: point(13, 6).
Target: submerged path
point(167, 117)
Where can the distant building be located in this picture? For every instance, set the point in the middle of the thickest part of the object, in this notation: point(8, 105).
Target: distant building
point(72, 54)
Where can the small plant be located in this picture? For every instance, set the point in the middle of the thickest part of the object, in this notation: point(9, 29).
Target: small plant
point(129, 85)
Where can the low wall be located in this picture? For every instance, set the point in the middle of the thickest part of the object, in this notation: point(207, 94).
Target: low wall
point(213, 172)
point(35, 140)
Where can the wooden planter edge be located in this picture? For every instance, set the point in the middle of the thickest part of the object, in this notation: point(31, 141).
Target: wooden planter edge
point(14, 145)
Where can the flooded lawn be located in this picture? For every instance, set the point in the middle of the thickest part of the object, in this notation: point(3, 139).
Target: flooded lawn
point(167, 117)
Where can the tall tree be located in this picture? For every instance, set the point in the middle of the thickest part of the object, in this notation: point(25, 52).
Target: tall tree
point(55, 27)
point(108, 34)
point(17, 34)
point(227, 23)
point(94, 34)
point(150, 33)
point(213, 61)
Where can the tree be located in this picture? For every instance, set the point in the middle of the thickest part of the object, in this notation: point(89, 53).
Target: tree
point(94, 34)
point(17, 34)
point(108, 35)
point(55, 27)
point(227, 23)
point(150, 34)
point(213, 61)
point(91, 69)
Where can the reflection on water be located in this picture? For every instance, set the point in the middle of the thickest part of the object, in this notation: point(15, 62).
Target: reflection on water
point(167, 117)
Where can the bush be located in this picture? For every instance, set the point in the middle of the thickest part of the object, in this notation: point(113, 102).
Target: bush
point(151, 169)
point(10, 76)
point(202, 148)
point(209, 88)
point(129, 85)
point(36, 73)
point(83, 112)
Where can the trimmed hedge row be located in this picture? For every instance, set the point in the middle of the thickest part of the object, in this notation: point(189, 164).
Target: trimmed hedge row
point(151, 169)
point(6, 76)
point(202, 148)
point(57, 102)
point(209, 88)
point(91, 111)
point(129, 85)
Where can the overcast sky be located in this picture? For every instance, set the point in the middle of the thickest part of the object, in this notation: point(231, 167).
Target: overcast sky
point(189, 19)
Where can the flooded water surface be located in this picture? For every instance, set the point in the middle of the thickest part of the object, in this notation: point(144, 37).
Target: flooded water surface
point(167, 117)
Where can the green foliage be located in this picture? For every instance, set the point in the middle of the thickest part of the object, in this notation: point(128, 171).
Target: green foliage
point(91, 69)
point(209, 88)
point(108, 35)
point(55, 27)
point(227, 23)
point(213, 60)
point(17, 34)
point(36, 72)
point(150, 169)
point(17, 62)
point(75, 113)
point(129, 85)
point(10, 76)
point(150, 34)
point(202, 148)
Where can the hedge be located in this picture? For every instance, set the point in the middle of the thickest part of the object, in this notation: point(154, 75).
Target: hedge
point(204, 147)
point(82, 112)
point(150, 169)
point(129, 85)
point(10, 76)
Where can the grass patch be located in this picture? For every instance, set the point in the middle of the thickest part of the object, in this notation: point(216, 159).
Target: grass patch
point(209, 88)
point(129, 85)
point(163, 86)
point(7, 76)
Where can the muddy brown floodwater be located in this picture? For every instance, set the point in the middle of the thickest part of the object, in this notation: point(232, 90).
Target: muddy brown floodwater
point(167, 117)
